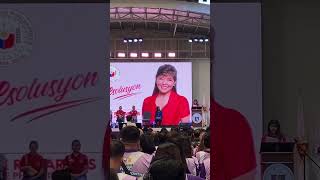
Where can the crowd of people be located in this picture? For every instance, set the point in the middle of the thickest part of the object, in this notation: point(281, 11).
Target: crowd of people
point(179, 154)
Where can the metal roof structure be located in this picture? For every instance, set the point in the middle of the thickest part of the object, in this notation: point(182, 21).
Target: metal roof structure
point(172, 20)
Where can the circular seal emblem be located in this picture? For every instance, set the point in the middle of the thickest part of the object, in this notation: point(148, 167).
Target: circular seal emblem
point(16, 37)
point(278, 171)
point(196, 118)
point(114, 74)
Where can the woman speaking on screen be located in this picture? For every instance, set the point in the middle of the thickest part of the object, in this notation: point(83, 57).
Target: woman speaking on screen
point(174, 107)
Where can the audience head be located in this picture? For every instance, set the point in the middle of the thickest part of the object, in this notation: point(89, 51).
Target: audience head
point(166, 169)
point(113, 175)
point(162, 136)
point(206, 140)
point(120, 107)
point(186, 146)
point(133, 107)
point(167, 151)
point(130, 134)
point(177, 140)
point(147, 144)
point(117, 150)
point(164, 130)
point(33, 146)
point(76, 146)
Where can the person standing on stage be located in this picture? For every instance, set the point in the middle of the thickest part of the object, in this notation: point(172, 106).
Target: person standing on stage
point(158, 117)
point(77, 162)
point(195, 103)
point(32, 165)
point(274, 133)
point(175, 108)
point(133, 114)
point(120, 115)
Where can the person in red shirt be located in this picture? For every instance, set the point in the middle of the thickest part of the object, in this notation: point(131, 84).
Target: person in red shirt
point(133, 114)
point(175, 108)
point(120, 115)
point(77, 162)
point(232, 147)
point(32, 164)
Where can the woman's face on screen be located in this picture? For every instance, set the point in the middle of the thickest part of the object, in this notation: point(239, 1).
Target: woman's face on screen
point(165, 83)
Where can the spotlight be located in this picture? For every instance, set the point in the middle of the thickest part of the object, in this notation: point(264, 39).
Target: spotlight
point(135, 40)
point(133, 55)
point(206, 40)
point(140, 40)
point(121, 54)
point(144, 54)
point(190, 40)
point(130, 40)
point(200, 40)
point(125, 41)
point(157, 55)
point(195, 40)
point(172, 54)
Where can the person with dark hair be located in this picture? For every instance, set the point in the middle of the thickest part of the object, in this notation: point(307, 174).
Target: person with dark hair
point(135, 161)
point(113, 175)
point(174, 107)
point(77, 163)
point(32, 164)
point(204, 157)
point(117, 150)
point(158, 118)
point(166, 169)
point(120, 114)
point(162, 137)
point(133, 114)
point(147, 144)
point(274, 133)
point(172, 151)
point(187, 149)
point(3, 167)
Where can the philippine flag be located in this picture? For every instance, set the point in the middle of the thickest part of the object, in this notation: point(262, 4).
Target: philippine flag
point(8, 42)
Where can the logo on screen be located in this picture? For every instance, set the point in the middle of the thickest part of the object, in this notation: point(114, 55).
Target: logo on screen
point(114, 74)
point(16, 37)
point(196, 118)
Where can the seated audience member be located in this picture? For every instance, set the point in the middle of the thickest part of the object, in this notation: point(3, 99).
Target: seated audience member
point(274, 133)
point(135, 160)
point(166, 169)
point(3, 167)
point(32, 165)
point(147, 144)
point(200, 147)
point(192, 161)
point(204, 158)
point(196, 137)
point(76, 162)
point(117, 150)
point(113, 175)
point(171, 151)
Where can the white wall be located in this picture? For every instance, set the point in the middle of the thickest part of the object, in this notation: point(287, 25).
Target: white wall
point(201, 81)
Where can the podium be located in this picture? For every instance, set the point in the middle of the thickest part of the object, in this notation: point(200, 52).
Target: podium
point(197, 117)
point(277, 161)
